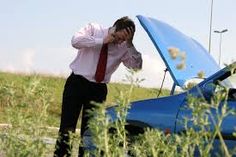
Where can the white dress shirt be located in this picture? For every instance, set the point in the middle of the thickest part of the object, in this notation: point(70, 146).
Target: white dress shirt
point(89, 41)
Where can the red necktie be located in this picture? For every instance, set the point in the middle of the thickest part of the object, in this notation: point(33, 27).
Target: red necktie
point(102, 63)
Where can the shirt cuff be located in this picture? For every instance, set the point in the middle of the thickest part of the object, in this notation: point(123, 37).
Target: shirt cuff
point(98, 41)
point(133, 52)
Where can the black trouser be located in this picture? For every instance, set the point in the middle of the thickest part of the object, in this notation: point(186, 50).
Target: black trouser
point(78, 93)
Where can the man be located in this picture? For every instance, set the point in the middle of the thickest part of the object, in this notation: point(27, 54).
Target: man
point(100, 51)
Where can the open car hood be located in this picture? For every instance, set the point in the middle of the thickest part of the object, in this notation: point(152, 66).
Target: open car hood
point(197, 60)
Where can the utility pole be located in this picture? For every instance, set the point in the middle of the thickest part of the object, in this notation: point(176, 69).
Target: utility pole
point(209, 42)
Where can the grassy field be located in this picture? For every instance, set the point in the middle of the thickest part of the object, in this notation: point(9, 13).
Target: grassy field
point(32, 103)
point(22, 89)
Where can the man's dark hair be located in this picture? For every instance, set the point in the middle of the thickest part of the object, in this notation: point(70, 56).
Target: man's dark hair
point(124, 23)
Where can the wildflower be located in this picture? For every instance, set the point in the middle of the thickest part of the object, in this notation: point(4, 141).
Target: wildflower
point(181, 66)
point(174, 52)
point(201, 74)
point(182, 56)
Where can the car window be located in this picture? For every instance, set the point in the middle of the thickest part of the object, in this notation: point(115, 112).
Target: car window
point(232, 80)
point(227, 83)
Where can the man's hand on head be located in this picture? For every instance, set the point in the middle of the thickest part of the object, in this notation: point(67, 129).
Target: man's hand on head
point(129, 34)
point(109, 38)
point(120, 36)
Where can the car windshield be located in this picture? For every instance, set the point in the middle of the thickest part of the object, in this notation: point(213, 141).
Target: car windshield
point(226, 81)
point(229, 82)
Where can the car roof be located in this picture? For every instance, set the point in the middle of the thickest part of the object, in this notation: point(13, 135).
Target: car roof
point(196, 60)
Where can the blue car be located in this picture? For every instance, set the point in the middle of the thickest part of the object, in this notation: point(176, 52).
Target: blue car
point(165, 113)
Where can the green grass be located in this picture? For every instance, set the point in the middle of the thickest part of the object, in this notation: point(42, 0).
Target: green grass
point(16, 87)
point(30, 103)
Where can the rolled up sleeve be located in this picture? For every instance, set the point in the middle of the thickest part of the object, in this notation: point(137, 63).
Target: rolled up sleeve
point(85, 38)
point(132, 59)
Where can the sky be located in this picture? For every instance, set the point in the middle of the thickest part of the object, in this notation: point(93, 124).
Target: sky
point(35, 35)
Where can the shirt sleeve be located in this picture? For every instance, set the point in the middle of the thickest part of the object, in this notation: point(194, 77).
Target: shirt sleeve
point(85, 37)
point(132, 59)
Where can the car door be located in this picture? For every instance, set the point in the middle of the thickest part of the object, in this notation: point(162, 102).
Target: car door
point(218, 106)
